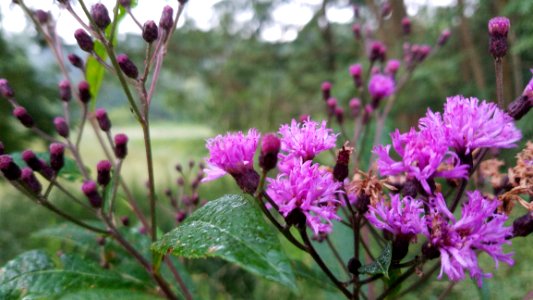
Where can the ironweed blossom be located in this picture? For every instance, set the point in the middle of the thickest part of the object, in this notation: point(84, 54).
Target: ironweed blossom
point(421, 152)
point(309, 188)
point(469, 124)
point(459, 241)
point(402, 216)
point(303, 141)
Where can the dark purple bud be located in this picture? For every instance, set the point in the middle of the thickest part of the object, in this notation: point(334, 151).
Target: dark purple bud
point(356, 71)
point(84, 91)
point(410, 188)
point(443, 38)
point(332, 104)
point(296, 218)
point(353, 266)
point(429, 251)
point(179, 168)
point(520, 107)
point(61, 127)
point(31, 160)
point(150, 32)
point(84, 40)
point(367, 113)
point(340, 171)
point(378, 51)
point(125, 221)
point(121, 145)
point(498, 46)
point(406, 25)
point(166, 20)
point(31, 182)
point(64, 90)
point(339, 114)
point(5, 89)
point(424, 51)
point(103, 169)
point(191, 164)
point(523, 226)
point(90, 189)
point(498, 30)
point(326, 90)
point(392, 67)
point(386, 9)
point(270, 146)
point(23, 116)
point(41, 16)
point(363, 200)
point(180, 216)
point(9, 168)
point(356, 29)
point(181, 181)
point(400, 247)
point(248, 180)
point(103, 119)
point(100, 16)
point(125, 3)
point(101, 241)
point(355, 106)
point(168, 193)
point(46, 170)
point(57, 156)
point(75, 60)
point(127, 66)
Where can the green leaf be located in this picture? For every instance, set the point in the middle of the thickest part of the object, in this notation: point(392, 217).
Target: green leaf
point(312, 276)
point(381, 264)
point(35, 275)
point(233, 229)
point(71, 234)
point(94, 72)
point(70, 171)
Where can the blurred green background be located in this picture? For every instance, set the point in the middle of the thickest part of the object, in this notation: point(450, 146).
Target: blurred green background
point(230, 78)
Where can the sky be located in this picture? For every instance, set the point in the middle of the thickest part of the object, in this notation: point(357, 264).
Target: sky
point(289, 17)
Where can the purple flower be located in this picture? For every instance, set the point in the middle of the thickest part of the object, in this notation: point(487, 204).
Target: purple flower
point(402, 217)
point(469, 124)
point(421, 152)
point(311, 189)
point(303, 141)
point(458, 241)
point(380, 86)
point(528, 91)
point(392, 67)
point(232, 153)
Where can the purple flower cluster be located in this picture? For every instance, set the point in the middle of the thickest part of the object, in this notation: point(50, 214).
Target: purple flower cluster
point(309, 188)
point(402, 216)
point(232, 153)
point(459, 241)
point(469, 124)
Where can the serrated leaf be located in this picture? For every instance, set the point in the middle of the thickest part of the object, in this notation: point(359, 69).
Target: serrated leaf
point(233, 229)
point(69, 171)
point(35, 275)
point(381, 264)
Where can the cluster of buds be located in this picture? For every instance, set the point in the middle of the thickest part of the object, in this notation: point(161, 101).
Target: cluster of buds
point(186, 199)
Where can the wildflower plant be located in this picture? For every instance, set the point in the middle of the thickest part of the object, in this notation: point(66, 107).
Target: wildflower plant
point(406, 209)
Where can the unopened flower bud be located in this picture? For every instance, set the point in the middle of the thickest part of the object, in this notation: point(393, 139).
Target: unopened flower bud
point(339, 114)
point(367, 113)
point(356, 29)
point(410, 188)
point(386, 9)
point(378, 52)
point(100, 16)
point(166, 20)
point(353, 266)
point(90, 189)
point(332, 104)
point(355, 106)
point(392, 67)
point(61, 127)
point(125, 221)
point(30, 181)
point(103, 120)
point(363, 200)
point(498, 29)
point(443, 38)
point(326, 90)
point(5, 89)
point(429, 251)
point(180, 181)
point(84, 40)
point(248, 180)
point(64, 90)
point(296, 218)
point(31, 160)
point(75, 60)
point(121, 145)
point(57, 156)
point(379, 87)
point(180, 216)
point(46, 170)
point(103, 168)
point(340, 171)
point(23, 116)
point(356, 71)
point(150, 32)
point(41, 16)
point(406, 25)
point(9, 168)
point(520, 107)
point(270, 146)
point(523, 226)
point(125, 3)
point(84, 92)
point(425, 50)
point(127, 66)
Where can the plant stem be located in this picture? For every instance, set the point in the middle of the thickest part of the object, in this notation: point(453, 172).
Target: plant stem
point(321, 264)
point(397, 282)
point(447, 290)
point(499, 82)
point(151, 184)
point(421, 281)
point(179, 280)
